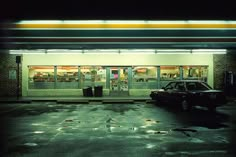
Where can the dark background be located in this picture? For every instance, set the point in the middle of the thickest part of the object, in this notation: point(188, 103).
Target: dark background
point(117, 10)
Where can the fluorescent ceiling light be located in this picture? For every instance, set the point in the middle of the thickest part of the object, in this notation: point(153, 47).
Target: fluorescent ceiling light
point(173, 51)
point(138, 51)
point(40, 51)
point(167, 53)
point(40, 22)
point(121, 51)
point(209, 51)
point(99, 51)
point(63, 51)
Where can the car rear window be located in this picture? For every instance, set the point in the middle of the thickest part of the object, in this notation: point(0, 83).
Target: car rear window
point(197, 86)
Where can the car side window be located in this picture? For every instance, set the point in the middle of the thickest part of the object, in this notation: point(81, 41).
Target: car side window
point(191, 85)
point(170, 86)
point(200, 86)
point(180, 86)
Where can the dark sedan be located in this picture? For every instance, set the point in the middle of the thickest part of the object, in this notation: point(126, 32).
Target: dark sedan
point(189, 93)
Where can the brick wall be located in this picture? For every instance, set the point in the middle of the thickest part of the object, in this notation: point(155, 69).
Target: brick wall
point(7, 64)
point(223, 63)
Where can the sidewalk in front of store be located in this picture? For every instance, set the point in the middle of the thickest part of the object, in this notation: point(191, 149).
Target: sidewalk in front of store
point(79, 99)
point(85, 100)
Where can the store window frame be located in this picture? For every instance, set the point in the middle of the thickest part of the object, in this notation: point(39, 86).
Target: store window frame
point(93, 81)
point(145, 82)
point(204, 74)
point(43, 84)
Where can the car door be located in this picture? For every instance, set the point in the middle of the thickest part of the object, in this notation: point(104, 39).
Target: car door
point(178, 92)
point(167, 95)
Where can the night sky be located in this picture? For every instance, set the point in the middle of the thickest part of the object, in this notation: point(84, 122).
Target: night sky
point(117, 10)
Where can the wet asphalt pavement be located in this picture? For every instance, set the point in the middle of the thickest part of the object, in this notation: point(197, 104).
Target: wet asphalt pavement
point(49, 129)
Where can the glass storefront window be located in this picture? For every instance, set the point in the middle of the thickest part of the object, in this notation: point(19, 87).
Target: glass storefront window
point(170, 72)
point(41, 77)
point(144, 77)
point(92, 76)
point(67, 77)
point(195, 72)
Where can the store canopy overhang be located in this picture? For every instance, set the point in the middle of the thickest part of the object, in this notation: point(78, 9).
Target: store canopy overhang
point(114, 34)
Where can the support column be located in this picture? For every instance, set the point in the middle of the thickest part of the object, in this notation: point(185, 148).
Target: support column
point(55, 77)
point(79, 78)
point(158, 77)
point(108, 77)
point(181, 73)
point(129, 77)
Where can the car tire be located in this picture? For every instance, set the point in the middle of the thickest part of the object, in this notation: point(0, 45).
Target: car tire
point(185, 106)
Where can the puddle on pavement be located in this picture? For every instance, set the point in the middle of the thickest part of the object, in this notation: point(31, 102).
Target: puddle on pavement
point(196, 140)
point(69, 120)
point(121, 108)
point(211, 125)
point(23, 148)
point(94, 109)
point(186, 131)
point(110, 120)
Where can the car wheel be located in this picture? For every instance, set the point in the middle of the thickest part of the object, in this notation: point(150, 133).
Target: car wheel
point(185, 105)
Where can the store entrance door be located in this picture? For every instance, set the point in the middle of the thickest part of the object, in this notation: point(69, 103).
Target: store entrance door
point(119, 81)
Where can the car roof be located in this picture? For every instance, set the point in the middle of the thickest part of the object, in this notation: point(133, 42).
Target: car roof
point(187, 81)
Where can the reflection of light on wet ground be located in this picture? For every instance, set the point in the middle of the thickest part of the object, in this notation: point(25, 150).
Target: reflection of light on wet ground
point(149, 122)
point(95, 128)
point(59, 129)
point(36, 124)
point(157, 132)
point(196, 140)
point(31, 144)
point(150, 146)
point(151, 131)
point(134, 128)
point(38, 132)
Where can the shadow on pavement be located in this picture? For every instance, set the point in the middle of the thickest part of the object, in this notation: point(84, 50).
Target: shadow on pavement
point(199, 117)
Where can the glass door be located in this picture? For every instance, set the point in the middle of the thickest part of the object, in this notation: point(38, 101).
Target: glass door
point(119, 81)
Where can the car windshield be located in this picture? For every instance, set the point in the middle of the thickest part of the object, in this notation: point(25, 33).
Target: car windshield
point(197, 86)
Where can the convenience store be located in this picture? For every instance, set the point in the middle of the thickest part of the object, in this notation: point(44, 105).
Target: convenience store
point(60, 58)
point(69, 74)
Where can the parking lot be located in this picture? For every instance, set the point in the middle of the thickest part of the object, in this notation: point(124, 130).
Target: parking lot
point(120, 129)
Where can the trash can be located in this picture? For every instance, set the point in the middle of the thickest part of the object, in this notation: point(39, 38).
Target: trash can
point(87, 91)
point(98, 91)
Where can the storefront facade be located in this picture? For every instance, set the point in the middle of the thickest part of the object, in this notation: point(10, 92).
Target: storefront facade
point(67, 75)
point(60, 58)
